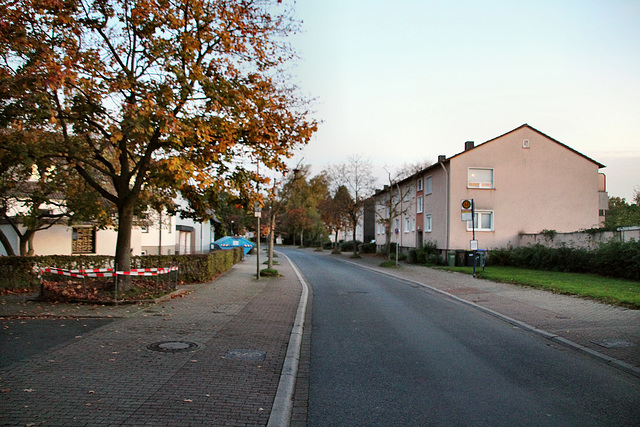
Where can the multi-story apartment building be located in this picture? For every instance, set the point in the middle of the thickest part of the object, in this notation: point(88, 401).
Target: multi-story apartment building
point(521, 182)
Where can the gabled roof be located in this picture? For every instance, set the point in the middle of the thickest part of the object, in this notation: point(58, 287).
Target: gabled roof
point(600, 165)
point(436, 165)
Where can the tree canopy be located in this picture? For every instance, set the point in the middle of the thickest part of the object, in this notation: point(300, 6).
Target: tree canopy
point(146, 98)
point(623, 214)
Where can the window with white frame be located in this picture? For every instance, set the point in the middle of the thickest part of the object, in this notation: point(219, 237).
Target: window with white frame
point(407, 224)
point(428, 219)
point(397, 222)
point(479, 178)
point(484, 221)
point(419, 206)
point(413, 224)
point(407, 194)
point(428, 185)
point(419, 184)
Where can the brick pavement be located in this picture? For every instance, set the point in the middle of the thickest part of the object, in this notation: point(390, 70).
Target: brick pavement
point(110, 377)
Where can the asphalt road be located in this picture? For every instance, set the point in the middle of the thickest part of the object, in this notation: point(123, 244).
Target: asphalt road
point(388, 352)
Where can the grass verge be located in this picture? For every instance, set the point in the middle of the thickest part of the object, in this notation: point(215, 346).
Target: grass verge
point(606, 289)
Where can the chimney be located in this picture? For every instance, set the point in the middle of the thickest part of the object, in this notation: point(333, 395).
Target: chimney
point(441, 158)
point(468, 145)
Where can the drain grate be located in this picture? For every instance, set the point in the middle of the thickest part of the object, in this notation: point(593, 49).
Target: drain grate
point(174, 346)
point(246, 355)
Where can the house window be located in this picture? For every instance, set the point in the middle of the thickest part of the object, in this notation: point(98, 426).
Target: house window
point(144, 228)
point(479, 178)
point(419, 204)
point(413, 224)
point(428, 218)
point(407, 194)
point(419, 184)
point(484, 221)
point(407, 225)
point(428, 185)
point(83, 240)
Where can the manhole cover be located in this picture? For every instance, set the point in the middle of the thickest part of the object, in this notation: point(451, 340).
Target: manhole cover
point(247, 355)
point(614, 343)
point(174, 346)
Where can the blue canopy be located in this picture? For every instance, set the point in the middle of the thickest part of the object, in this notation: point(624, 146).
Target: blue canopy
point(229, 242)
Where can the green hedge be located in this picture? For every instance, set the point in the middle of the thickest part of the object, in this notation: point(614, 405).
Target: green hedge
point(22, 272)
point(613, 259)
point(427, 254)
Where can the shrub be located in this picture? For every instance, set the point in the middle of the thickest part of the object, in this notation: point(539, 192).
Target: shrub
point(349, 246)
point(368, 248)
point(613, 258)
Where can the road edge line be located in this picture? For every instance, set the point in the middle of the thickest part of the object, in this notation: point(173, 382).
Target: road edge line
point(282, 407)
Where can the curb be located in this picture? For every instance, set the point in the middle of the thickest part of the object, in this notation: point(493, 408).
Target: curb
point(618, 364)
point(282, 407)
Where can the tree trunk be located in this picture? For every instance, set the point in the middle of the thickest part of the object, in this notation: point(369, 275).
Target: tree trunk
point(355, 244)
point(7, 244)
point(388, 242)
point(302, 238)
point(26, 243)
point(272, 228)
point(123, 244)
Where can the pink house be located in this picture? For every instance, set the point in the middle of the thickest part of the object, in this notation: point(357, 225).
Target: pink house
point(521, 182)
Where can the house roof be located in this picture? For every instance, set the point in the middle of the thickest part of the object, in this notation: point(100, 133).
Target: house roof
point(600, 165)
point(446, 160)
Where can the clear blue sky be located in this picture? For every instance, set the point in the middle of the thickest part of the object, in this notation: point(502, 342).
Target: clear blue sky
point(407, 80)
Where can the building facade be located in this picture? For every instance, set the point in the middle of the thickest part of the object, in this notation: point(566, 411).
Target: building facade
point(520, 182)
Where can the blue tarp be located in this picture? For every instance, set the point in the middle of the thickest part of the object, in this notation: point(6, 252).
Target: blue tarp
point(229, 242)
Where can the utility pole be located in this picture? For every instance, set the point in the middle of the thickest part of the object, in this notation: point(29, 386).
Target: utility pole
point(258, 214)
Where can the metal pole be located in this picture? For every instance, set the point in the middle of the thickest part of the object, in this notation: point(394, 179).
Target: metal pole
point(258, 230)
point(473, 228)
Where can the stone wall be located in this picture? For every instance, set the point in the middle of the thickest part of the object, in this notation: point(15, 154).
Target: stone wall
point(580, 239)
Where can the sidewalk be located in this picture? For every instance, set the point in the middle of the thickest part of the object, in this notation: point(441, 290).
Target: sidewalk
point(612, 333)
point(212, 357)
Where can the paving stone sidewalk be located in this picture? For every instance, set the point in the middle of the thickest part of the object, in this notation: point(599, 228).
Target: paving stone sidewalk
point(216, 359)
point(611, 331)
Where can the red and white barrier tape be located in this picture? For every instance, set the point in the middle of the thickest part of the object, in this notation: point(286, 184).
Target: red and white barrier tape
point(108, 272)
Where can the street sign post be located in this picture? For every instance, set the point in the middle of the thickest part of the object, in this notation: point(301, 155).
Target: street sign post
point(467, 214)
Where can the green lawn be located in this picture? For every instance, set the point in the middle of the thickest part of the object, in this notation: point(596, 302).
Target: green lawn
point(614, 291)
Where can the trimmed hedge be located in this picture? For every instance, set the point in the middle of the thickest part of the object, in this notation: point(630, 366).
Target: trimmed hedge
point(22, 272)
point(613, 259)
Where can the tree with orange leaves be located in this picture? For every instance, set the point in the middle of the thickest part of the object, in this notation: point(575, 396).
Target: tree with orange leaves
point(153, 97)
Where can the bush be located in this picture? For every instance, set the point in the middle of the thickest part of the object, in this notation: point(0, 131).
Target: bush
point(614, 259)
point(349, 245)
point(368, 248)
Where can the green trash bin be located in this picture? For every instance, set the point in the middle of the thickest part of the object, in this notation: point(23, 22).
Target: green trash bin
point(481, 258)
point(451, 259)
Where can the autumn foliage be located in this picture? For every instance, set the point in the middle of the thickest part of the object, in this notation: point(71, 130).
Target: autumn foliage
point(145, 99)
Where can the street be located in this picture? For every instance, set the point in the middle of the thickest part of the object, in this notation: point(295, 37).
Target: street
point(389, 352)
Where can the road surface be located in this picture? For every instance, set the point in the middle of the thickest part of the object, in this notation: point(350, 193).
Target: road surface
point(389, 352)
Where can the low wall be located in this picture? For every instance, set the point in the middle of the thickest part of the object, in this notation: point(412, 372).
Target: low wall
point(580, 239)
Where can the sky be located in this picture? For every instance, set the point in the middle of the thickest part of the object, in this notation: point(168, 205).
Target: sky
point(403, 81)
